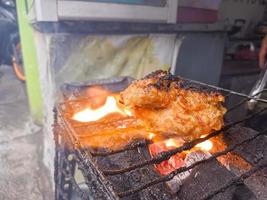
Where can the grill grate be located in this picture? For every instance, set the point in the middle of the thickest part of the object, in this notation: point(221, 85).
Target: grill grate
point(97, 185)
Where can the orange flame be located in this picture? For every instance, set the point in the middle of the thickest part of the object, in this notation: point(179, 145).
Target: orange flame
point(151, 135)
point(91, 115)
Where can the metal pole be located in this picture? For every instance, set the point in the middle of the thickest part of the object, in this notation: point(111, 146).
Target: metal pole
point(30, 63)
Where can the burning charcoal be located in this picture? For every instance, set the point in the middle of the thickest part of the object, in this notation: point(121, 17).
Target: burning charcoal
point(190, 159)
point(132, 179)
point(175, 162)
point(254, 151)
point(175, 183)
point(209, 177)
point(178, 160)
point(195, 156)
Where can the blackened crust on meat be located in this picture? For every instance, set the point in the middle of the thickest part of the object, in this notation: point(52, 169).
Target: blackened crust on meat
point(155, 74)
point(188, 85)
point(164, 80)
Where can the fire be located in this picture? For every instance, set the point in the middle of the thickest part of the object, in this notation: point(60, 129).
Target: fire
point(127, 112)
point(177, 142)
point(206, 145)
point(91, 115)
point(151, 135)
point(104, 103)
point(175, 162)
point(178, 160)
point(170, 143)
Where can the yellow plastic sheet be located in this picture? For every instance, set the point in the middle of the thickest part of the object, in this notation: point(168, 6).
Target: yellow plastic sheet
point(97, 57)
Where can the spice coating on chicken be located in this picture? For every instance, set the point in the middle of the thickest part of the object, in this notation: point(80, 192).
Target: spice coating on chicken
point(167, 103)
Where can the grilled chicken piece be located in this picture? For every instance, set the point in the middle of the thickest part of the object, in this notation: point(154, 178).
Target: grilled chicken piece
point(167, 103)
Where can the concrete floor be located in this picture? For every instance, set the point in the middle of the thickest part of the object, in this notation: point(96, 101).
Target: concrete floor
point(22, 174)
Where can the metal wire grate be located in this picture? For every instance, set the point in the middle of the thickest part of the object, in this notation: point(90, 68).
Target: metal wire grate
point(84, 158)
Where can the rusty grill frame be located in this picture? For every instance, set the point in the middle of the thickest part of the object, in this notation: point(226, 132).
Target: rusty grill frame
point(98, 187)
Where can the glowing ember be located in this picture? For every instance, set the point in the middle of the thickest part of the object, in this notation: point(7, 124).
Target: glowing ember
point(151, 135)
point(170, 143)
point(167, 166)
point(174, 142)
point(178, 160)
point(205, 146)
point(110, 106)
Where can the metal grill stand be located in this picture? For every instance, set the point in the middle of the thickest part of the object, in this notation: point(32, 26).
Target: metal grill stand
point(100, 177)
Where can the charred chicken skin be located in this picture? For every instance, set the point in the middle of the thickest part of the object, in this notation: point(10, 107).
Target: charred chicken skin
point(163, 102)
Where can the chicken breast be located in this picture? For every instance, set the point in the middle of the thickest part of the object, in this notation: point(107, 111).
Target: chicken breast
point(167, 103)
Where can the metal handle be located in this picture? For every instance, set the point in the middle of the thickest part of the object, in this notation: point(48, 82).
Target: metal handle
point(258, 88)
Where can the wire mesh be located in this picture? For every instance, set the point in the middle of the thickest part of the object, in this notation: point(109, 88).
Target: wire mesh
point(83, 154)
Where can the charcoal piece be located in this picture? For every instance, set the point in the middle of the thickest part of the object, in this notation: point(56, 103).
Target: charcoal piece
point(209, 177)
point(190, 159)
point(254, 151)
point(242, 192)
point(132, 179)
